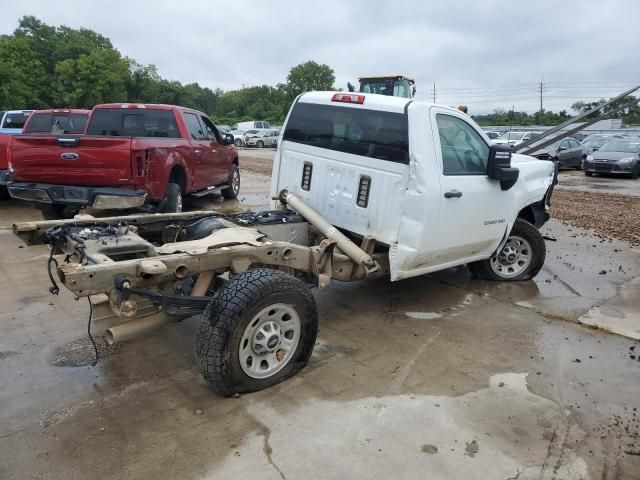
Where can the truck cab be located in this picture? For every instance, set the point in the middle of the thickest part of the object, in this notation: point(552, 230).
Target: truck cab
point(415, 176)
point(12, 121)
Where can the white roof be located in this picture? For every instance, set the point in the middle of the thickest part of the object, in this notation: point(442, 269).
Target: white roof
point(386, 103)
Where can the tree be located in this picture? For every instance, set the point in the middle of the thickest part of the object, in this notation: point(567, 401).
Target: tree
point(98, 77)
point(307, 77)
point(21, 74)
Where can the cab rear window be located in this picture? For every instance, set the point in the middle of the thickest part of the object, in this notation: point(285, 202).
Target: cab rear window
point(133, 122)
point(56, 123)
point(358, 131)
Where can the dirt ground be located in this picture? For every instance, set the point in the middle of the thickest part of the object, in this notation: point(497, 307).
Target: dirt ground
point(436, 377)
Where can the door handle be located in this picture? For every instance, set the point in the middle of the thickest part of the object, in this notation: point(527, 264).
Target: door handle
point(452, 194)
point(197, 151)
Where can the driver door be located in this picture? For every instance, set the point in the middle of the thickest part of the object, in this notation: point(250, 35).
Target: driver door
point(474, 211)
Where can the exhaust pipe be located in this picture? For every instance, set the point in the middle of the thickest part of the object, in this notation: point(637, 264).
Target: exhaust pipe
point(136, 328)
point(354, 252)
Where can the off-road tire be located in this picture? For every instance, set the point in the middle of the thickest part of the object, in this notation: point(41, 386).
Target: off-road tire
point(58, 212)
point(224, 321)
point(588, 174)
point(532, 235)
point(233, 189)
point(172, 202)
point(260, 144)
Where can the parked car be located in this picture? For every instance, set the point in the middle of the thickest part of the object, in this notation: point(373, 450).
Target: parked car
point(260, 124)
point(619, 156)
point(262, 139)
point(595, 141)
point(238, 137)
point(131, 156)
point(12, 121)
point(515, 138)
point(493, 135)
point(249, 134)
point(41, 121)
point(567, 152)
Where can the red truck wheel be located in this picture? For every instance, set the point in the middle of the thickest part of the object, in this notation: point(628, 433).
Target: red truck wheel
point(172, 202)
point(233, 189)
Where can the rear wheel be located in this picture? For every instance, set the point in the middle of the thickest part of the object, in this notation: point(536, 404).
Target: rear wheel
point(59, 212)
point(172, 202)
point(257, 331)
point(233, 189)
point(521, 258)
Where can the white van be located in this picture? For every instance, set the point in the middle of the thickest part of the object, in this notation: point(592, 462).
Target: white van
point(259, 124)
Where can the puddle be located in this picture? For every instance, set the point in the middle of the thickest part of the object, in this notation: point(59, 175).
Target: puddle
point(80, 352)
point(423, 315)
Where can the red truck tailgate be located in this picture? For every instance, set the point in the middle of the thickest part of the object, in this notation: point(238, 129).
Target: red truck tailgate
point(85, 160)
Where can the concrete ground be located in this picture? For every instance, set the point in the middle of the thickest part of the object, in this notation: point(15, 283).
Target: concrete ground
point(438, 377)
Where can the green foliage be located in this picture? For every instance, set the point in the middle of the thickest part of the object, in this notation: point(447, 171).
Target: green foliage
point(96, 77)
point(307, 77)
point(503, 117)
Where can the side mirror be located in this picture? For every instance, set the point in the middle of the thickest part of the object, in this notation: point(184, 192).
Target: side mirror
point(499, 166)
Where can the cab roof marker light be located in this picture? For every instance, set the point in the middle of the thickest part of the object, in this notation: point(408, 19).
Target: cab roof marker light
point(348, 98)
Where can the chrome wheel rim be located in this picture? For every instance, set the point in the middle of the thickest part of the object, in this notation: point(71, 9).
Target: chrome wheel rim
point(235, 182)
point(269, 341)
point(514, 258)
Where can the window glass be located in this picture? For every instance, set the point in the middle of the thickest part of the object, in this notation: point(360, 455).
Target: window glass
point(210, 129)
point(15, 120)
point(463, 150)
point(565, 144)
point(195, 128)
point(57, 123)
point(358, 131)
point(133, 122)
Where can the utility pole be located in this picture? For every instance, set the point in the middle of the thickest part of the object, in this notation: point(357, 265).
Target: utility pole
point(434, 92)
point(541, 89)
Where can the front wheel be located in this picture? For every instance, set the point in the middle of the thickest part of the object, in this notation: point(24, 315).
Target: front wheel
point(260, 144)
point(521, 258)
point(238, 142)
point(233, 189)
point(257, 331)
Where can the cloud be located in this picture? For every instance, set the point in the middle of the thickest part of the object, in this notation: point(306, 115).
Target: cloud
point(483, 54)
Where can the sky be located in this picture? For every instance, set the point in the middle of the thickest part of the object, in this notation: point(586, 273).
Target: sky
point(484, 54)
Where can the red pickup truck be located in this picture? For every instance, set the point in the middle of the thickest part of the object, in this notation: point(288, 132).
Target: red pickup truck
point(58, 121)
point(131, 155)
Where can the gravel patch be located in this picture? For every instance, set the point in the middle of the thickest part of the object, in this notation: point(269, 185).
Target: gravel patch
point(609, 214)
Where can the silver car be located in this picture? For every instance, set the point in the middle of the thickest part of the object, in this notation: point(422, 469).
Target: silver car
point(262, 139)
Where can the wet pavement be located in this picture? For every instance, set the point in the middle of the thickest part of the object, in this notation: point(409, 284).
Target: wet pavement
point(575, 180)
point(436, 377)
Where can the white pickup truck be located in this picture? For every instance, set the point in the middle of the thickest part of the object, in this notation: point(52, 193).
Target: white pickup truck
point(364, 185)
